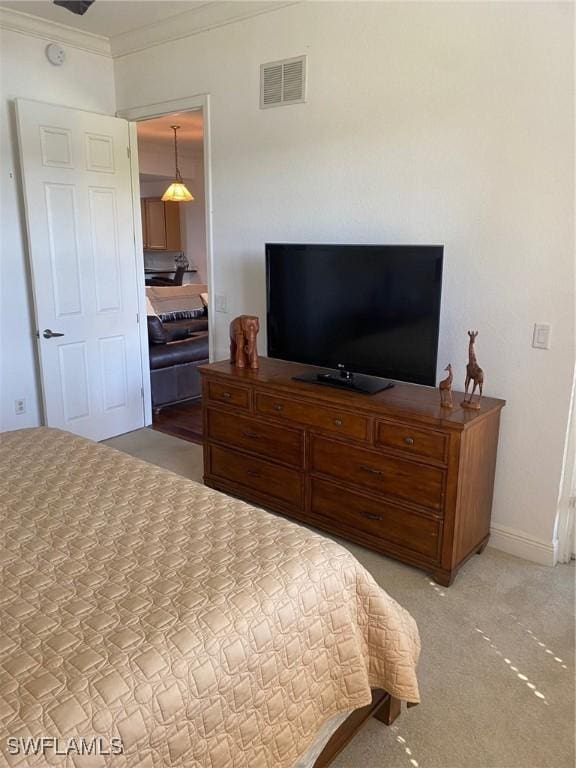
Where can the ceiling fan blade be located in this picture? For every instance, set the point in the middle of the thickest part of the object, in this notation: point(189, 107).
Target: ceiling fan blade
point(76, 6)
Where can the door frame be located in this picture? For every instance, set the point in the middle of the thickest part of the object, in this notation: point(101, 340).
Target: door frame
point(146, 112)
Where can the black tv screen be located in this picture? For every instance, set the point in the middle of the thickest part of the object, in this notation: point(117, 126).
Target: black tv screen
point(373, 308)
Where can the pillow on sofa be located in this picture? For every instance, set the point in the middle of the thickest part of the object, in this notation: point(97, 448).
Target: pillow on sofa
point(156, 332)
point(181, 302)
point(183, 314)
point(149, 308)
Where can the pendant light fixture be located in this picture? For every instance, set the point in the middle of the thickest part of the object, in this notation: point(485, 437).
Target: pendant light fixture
point(177, 191)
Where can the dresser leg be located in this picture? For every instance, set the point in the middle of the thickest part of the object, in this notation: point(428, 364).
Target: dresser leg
point(389, 711)
point(444, 578)
point(482, 547)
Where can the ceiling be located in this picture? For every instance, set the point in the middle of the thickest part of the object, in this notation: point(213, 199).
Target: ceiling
point(108, 17)
point(158, 132)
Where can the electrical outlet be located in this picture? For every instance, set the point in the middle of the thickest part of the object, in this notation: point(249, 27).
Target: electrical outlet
point(221, 303)
point(20, 406)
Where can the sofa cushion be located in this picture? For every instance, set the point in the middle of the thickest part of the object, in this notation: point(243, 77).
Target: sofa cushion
point(190, 350)
point(156, 332)
point(181, 329)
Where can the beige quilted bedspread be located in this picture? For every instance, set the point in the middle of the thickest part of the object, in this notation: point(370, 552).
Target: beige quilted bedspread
point(201, 631)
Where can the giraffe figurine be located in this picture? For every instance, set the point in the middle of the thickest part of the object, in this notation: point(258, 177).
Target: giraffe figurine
point(473, 373)
point(445, 388)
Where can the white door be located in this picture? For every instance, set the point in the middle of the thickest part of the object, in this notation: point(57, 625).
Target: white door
point(77, 187)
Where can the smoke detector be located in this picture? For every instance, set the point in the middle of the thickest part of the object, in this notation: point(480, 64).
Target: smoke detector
point(55, 54)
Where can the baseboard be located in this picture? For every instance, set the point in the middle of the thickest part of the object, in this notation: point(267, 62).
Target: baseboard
point(522, 545)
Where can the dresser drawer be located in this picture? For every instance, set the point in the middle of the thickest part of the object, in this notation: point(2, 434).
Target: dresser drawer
point(269, 479)
point(224, 393)
point(286, 445)
point(378, 520)
point(417, 442)
point(326, 419)
point(395, 478)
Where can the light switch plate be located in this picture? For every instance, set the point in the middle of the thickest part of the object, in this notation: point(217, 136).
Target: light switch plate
point(541, 337)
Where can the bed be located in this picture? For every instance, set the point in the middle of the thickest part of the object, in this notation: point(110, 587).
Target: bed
point(173, 625)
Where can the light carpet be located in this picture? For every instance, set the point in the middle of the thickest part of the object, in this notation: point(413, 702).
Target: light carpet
point(497, 665)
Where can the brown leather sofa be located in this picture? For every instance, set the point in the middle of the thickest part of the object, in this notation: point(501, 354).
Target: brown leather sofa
point(176, 350)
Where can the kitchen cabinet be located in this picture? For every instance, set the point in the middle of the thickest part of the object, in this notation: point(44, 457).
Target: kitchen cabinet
point(160, 225)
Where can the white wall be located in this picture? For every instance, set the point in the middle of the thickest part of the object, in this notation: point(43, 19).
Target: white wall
point(425, 123)
point(86, 82)
point(194, 220)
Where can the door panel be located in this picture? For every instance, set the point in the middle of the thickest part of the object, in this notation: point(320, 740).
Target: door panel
point(78, 196)
point(113, 367)
point(56, 147)
point(73, 368)
point(103, 230)
point(61, 217)
point(99, 153)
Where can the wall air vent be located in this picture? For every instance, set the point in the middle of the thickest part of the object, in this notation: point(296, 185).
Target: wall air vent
point(283, 82)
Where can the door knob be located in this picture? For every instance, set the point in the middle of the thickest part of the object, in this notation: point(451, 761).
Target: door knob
point(48, 334)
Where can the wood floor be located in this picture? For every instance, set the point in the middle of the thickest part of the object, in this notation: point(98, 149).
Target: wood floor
point(183, 420)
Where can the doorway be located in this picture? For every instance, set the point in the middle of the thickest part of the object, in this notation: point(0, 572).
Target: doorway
point(176, 248)
point(173, 233)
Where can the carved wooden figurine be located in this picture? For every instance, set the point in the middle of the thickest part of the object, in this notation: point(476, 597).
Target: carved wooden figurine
point(473, 373)
point(243, 333)
point(237, 355)
point(445, 388)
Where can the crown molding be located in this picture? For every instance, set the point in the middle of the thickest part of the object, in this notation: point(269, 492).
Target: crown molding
point(200, 19)
point(34, 26)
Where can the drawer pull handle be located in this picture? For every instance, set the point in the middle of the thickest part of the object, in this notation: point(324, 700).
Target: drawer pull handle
point(409, 440)
point(338, 422)
point(253, 473)
point(371, 470)
point(226, 395)
point(247, 433)
point(372, 516)
point(278, 407)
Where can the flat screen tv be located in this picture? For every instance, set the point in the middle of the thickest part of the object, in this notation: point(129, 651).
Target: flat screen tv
point(366, 309)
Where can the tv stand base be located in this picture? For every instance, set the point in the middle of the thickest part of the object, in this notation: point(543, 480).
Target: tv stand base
point(356, 382)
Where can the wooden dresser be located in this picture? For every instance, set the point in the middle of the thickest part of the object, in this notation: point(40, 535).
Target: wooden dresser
point(392, 471)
